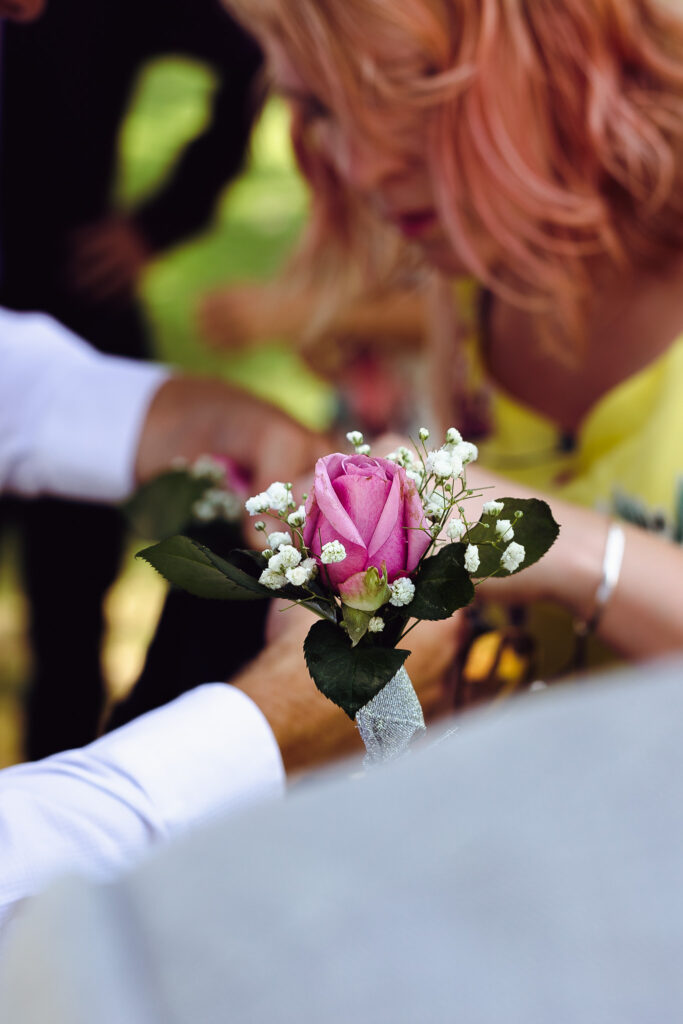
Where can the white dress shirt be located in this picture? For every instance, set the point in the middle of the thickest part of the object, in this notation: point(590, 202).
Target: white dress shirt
point(70, 417)
point(70, 420)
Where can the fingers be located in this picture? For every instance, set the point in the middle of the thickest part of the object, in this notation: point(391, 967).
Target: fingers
point(107, 259)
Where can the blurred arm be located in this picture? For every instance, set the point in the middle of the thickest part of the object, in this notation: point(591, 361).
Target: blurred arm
point(97, 810)
point(70, 418)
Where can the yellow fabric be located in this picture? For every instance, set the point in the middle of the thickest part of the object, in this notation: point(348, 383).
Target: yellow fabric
point(627, 460)
point(631, 443)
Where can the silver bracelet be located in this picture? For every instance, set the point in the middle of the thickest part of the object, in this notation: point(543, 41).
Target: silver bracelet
point(611, 569)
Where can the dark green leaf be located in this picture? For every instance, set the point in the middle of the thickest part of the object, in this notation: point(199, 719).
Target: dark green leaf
point(536, 530)
point(164, 506)
point(348, 676)
point(191, 566)
point(442, 585)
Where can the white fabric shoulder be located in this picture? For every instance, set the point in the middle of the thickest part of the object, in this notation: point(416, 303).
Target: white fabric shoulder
point(70, 417)
point(96, 811)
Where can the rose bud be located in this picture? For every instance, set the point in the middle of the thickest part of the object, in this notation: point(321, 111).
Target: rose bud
point(371, 507)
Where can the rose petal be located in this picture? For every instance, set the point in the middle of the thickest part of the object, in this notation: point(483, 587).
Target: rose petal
point(329, 505)
point(416, 526)
point(363, 497)
point(389, 541)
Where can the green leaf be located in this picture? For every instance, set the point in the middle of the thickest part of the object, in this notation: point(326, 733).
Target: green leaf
point(348, 676)
point(536, 530)
point(356, 623)
point(189, 565)
point(442, 585)
point(164, 506)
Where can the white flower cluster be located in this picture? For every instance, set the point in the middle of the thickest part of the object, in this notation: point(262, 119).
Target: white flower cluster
point(402, 592)
point(355, 438)
point(472, 558)
point(492, 508)
point(207, 466)
point(287, 566)
point(297, 518)
point(216, 503)
point(376, 624)
point(333, 551)
point(278, 498)
point(409, 461)
point(504, 530)
point(513, 556)
point(456, 529)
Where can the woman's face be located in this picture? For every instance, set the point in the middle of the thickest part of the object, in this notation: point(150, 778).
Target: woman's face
point(394, 182)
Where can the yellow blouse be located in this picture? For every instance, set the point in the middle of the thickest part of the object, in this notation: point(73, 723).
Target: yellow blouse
point(626, 460)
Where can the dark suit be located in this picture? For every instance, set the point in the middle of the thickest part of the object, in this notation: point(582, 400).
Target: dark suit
point(66, 84)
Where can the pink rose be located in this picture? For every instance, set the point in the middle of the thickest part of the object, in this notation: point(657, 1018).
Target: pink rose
point(373, 509)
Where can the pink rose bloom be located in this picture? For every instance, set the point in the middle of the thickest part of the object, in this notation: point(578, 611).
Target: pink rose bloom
point(373, 509)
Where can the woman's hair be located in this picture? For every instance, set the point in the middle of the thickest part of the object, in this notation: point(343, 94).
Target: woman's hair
point(552, 128)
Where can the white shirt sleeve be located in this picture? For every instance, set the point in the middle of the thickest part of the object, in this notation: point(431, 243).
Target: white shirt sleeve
point(70, 417)
point(96, 811)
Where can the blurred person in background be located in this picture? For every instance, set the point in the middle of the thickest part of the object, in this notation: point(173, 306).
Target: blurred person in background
point(68, 71)
point(532, 153)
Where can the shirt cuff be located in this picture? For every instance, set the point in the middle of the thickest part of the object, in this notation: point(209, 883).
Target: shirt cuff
point(206, 753)
point(89, 436)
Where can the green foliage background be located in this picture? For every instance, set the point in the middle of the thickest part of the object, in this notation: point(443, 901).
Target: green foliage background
point(257, 220)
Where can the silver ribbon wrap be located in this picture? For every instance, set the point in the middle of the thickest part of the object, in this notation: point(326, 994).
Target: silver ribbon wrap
point(389, 721)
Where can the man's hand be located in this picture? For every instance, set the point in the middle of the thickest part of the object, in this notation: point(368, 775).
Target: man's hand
point(191, 416)
point(107, 259)
point(311, 729)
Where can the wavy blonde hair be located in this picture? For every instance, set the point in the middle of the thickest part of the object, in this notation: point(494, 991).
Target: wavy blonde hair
point(554, 128)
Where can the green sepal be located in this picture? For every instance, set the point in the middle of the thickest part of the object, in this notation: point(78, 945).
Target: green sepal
point(536, 530)
point(356, 623)
point(348, 676)
point(442, 585)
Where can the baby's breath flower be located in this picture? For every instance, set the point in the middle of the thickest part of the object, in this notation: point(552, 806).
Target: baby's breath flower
point(297, 518)
point(456, 529)
point(492, 508)
point(513, 556)
point(333, 551)
point(298, 575)
point(416, 475)
point(354, 437)
point(286, 558)
point(311, 567)
point(442, 464)
point(277, 540)
point(453, 436)
point(203, 510)
point(260, 526)
point(472, 558)
point(205, 465)
point(279, 498)
point(504, 529)
point(402, 592)
point(435, 505)
point(376, 624)
point(467, 452)
point(423, 434)
point(363, 449)
point(258, 504)
point(272, 579)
